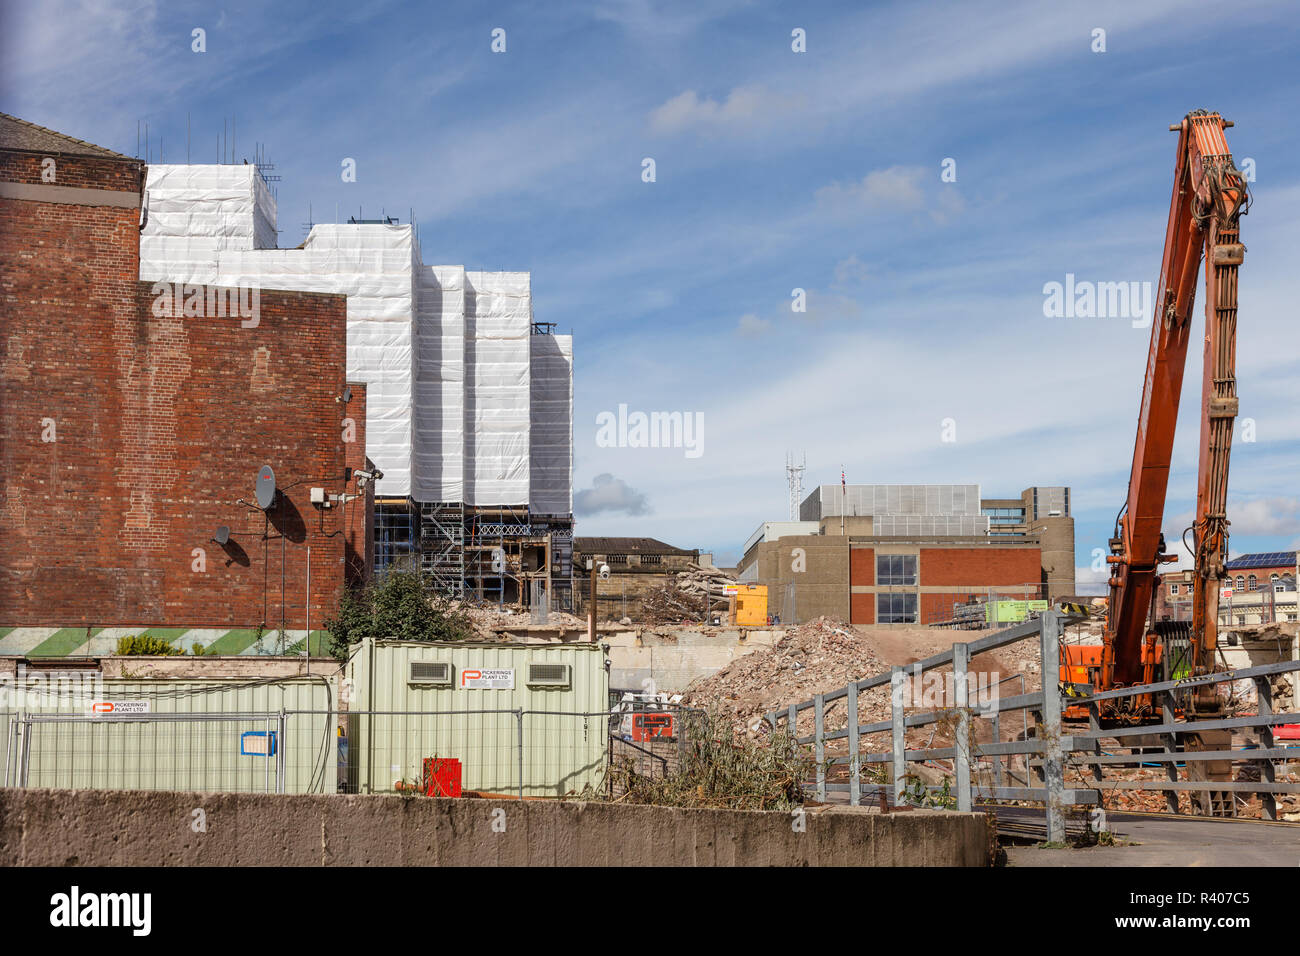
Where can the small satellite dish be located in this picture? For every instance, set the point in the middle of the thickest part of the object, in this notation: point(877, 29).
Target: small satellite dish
point(265, 487)
point(223, 534)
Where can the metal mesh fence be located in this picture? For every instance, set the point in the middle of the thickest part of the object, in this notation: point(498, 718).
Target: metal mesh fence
point(512, 753)
point(238, 753)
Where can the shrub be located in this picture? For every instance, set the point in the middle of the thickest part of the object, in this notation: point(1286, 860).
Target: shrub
point(401, 605)
point(145, 645)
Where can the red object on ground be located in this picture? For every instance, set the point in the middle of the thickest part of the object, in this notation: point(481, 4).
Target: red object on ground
point(652, 726)
point(441, 777)
point(1286, 732)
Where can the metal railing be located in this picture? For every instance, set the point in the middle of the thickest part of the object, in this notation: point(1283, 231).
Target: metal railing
point(1044, 748)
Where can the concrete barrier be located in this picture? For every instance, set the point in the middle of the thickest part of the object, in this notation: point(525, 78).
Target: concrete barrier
point(165, 828)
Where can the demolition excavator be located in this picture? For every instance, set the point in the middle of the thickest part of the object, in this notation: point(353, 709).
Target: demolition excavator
point(1209, 198)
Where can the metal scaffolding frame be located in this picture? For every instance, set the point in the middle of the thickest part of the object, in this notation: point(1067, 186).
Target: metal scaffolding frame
point(397, 533)
point(442, 545)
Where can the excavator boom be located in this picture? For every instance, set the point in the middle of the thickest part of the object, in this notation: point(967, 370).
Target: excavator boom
point(1209, 196)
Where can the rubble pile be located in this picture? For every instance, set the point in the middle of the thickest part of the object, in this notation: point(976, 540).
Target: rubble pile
point(687, 597)
point(813, 658)
point(491, 620)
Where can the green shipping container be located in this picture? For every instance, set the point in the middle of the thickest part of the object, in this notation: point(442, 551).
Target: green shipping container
point(460, 702)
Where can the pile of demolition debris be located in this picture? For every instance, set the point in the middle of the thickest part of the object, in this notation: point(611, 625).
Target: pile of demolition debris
point(688, 597)
point(491, 620)
point(813, 658)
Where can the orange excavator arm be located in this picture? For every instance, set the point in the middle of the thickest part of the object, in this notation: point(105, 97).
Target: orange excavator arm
point(1209, 196)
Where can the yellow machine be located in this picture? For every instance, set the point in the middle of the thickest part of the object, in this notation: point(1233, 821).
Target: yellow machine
point(748, 606)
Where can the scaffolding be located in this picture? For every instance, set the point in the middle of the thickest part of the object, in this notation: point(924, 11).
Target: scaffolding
point(495, 555)
point(397, 539)
point(442, 546)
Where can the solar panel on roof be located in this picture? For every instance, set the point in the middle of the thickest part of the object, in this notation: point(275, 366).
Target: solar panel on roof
point(1263, 560)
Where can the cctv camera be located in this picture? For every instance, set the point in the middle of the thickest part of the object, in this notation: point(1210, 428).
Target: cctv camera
point(604, 570)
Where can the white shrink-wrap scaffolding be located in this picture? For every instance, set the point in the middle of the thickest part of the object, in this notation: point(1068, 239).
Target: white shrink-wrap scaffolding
point(498, 325)
point(438, 471)
point(194, 212)
point(375, 266)
point(551, 425)
point(452, 410)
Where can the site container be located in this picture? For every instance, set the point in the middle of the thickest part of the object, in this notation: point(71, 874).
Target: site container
point(1011, 612)
point(750, 605)
point(217, 735)
point(409, 701)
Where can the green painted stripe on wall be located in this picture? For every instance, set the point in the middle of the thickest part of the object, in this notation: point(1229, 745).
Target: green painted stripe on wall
point(168, 634)
point(61, 643)
point(234, 642)
point(319, 645)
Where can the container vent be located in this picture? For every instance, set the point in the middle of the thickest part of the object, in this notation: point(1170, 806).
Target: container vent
point(548, 675)
point(430, 672)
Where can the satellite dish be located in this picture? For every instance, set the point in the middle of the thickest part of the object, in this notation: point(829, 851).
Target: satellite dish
point(265, 487)
point(223, 534)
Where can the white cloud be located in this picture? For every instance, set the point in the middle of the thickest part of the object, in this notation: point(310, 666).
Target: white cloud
point(1264, 516)
point(898, 187)
point(1088, 581)
point(751, 326)
point(745, 107)
point(851, 270)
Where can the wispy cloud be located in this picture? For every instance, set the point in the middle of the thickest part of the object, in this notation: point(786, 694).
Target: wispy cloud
point(744, 108)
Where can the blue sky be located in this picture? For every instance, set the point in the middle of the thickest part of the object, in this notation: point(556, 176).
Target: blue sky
point(775, 170)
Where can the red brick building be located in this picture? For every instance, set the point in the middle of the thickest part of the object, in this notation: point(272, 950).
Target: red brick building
point(132, 424)
point(895, 581)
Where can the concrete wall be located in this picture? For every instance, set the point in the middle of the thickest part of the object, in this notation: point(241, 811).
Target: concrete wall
point(673, 661)
point(185, 665)
point(152, 828)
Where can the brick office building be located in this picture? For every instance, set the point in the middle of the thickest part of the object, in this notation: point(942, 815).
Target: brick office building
point(133, 425)
point(909, 554)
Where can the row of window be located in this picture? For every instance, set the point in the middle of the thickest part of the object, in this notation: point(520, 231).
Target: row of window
point(1246, 583)
point(896, 569)
point(896, 608)
point(645, 559)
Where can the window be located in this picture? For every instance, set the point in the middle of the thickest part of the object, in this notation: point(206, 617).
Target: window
point(895, 608)
point(652, 559)
point(896, 569)
point(1173, 589)
point(1251, 583)
point(616, 559)
point(1241, 583)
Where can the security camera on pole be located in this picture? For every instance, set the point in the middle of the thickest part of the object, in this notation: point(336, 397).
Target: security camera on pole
point(603, 572)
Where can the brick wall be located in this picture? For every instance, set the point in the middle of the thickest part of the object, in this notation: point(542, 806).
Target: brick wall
point(862, 609)
point(127, 435)
point(862, 566)
point(78, 172)
point(963, 567)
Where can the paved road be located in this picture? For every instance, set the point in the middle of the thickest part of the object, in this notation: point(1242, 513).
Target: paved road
point(1159, 840)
